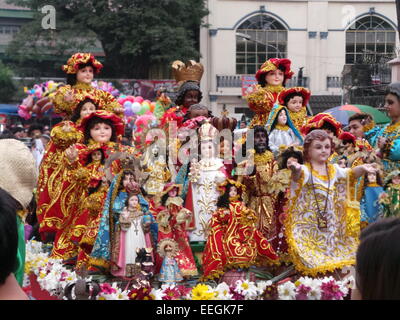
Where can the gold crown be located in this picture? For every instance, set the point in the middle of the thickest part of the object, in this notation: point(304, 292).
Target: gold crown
point(207, 132)
point(191, 71)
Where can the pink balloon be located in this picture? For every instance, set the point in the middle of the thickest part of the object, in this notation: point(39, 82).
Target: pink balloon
point(130, 98)
point(139, 99)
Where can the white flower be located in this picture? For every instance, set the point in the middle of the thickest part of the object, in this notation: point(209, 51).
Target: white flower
point(222, 292)
point(247, 288)
point(287, 291)
point(262, 285)
point(158, 294)
point(314, 293)
point(350, 282)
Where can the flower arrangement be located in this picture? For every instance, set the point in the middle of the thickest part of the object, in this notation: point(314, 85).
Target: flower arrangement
point(53, 277)
point(306, 288)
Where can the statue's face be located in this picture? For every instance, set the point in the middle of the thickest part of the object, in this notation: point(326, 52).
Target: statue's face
point(260, 141)
point(128, 178)
point(173, 192)
point(133, 202)
point(207, 149)
point(85, 75)
point(101, 132)
point(320, 151)
point(282, 118)
point(233, 191)
point(87, 109)
point(295, 104)
point(96, 155)
point(371, 177)
point(155, 150)
point(275, 77)
point(191, 97)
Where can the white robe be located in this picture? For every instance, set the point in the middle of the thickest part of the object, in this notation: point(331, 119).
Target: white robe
point(205, 196)
point(279, 137)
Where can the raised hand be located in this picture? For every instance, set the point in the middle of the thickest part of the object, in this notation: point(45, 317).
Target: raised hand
point(71, 153)
point(69, 96)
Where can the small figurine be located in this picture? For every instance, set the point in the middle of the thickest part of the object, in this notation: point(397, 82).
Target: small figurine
point(173, 223)
point(323, 222)
point(234, 243)
point(371, 209)
point(134, 234)
point(296, 100)
point(170, 272)
point(271, 78)
point(281, 130)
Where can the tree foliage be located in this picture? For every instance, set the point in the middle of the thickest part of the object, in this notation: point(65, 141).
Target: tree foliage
point(7, 86)
point(134, 34)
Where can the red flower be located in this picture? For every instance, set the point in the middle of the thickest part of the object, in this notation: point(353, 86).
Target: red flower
point(171, 294)
point(183, 290)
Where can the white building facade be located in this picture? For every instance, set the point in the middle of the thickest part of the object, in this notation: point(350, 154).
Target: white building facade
point(320, 37)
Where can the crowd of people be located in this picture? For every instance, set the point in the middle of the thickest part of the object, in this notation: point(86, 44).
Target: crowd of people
point(188, 196)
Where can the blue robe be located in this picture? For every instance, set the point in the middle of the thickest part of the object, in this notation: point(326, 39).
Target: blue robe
point(371, 210)
point(392, 160)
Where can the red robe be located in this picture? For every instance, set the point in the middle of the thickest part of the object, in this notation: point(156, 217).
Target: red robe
point(55, 199)
point(234, 242)
point(177, 231)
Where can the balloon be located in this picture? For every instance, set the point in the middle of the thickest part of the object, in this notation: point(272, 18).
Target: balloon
point(152, 106)
point(136, 107)
point(130, 98)
point(128, 112)
point(127, 105)
point(139, 99)
point(145, 107)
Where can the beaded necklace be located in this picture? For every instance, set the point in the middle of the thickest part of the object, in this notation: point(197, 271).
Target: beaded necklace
point(321, 219)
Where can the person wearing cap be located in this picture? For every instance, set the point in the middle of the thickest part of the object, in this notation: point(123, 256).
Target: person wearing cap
point(271, 78)
point(18, 178)
point(386, 139)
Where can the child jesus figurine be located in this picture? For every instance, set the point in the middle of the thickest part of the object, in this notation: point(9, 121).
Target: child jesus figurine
point(323, 222)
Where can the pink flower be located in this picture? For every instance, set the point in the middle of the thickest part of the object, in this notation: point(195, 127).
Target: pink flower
point(302, 292)
point(171, 294)
point(331, 291)
point(107, 289)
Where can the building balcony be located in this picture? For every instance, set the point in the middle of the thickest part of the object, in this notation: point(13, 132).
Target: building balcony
point(236, 81)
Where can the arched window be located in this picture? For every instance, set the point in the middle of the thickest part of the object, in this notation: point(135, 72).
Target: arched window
point(370, 40)
point(258, 39)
